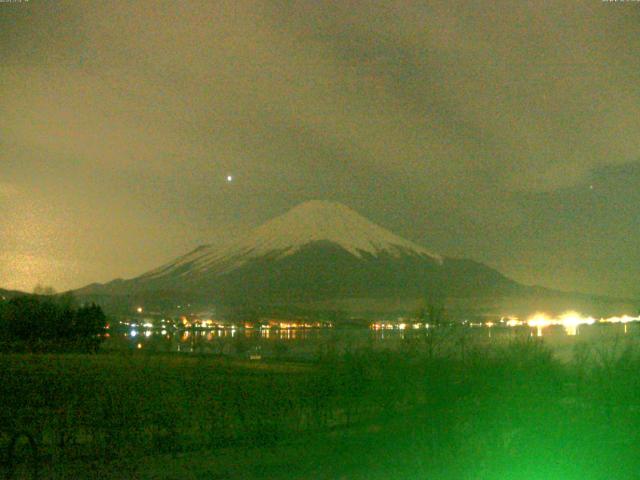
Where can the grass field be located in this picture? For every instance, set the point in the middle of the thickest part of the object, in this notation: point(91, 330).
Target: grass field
point(513, 411)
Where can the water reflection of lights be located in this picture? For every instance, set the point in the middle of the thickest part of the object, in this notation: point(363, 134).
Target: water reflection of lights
point(571, 321)
point(539, 321)
point(395, 326)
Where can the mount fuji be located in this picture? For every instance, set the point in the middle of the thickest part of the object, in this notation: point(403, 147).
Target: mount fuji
point(317, 251)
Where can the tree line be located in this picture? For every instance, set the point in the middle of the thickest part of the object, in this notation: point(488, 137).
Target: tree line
point(50, 323)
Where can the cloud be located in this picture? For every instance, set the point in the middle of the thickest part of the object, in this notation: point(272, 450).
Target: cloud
point(527, 95)
point(128, 116)
point(7, 190)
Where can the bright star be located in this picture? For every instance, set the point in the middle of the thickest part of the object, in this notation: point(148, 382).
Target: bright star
point(229, 178)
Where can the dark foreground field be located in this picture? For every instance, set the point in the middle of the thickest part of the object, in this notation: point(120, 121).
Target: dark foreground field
point(510, 412)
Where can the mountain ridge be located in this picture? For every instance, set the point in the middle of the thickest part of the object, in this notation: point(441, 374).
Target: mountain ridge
point(325, 255)
point(286, 234)
point(318, 250)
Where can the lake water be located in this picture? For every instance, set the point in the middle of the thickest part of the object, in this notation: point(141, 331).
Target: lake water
point(306, 343)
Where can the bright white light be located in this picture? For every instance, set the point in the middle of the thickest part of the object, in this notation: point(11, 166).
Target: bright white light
point(229, 178)
point(134, 333)
point(569, 320)
point(539, 320)
point(623, 319)
point(139, 309)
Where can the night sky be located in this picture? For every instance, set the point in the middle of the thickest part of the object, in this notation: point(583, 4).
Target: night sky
point(507, 132)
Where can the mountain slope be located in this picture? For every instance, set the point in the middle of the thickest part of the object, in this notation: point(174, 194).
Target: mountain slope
point(316, 251)
point(5, 294)
point(308, 223)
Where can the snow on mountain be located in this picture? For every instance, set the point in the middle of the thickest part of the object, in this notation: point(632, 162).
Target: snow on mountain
point(318, 252)
point(309, 222)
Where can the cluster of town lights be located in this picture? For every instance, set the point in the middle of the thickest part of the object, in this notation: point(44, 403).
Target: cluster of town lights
point(569, 320)
point(398, 326)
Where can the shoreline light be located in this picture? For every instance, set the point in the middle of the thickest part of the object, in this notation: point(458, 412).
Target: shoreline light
point(570, 320)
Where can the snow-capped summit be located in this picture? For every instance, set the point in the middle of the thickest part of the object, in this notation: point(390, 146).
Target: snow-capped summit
point(319, 256)
point(318, 250)
point(317, 220)
point(309, 222)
